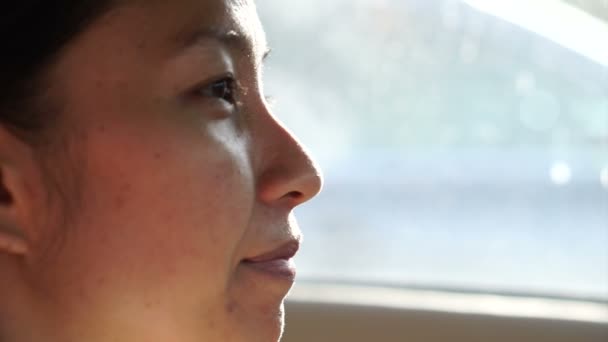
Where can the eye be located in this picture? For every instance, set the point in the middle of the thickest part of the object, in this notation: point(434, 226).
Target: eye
point(223, 89)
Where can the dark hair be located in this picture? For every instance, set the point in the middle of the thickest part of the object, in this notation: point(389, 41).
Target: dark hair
point(33, 34)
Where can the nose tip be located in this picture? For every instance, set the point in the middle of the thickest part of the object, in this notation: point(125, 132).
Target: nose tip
point(294, 178)
point(308, 185)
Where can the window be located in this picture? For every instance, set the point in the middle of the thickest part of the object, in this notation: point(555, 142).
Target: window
point(464, 143)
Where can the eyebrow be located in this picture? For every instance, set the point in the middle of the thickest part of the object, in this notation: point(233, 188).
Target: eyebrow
point(230, 38)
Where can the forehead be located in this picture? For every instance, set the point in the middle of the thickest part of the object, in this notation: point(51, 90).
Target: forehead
point(183, 23)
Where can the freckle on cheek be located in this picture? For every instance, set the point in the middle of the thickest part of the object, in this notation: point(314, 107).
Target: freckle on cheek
point(119, 202)
point(171, 271)
point(81, 293)
point(231, 307)
point(121, 198)
point(152, 303)
point(101, 281)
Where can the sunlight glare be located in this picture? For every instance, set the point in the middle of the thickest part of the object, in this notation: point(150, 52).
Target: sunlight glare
point(560, 173)
point(604, 177)
point(555, 20)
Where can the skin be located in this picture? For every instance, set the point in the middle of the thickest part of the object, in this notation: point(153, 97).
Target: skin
point(133, 223)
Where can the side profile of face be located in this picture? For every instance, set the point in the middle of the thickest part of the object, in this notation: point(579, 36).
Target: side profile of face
point(169, 217)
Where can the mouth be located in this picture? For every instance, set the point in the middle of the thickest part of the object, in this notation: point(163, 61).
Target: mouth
point(277, 263)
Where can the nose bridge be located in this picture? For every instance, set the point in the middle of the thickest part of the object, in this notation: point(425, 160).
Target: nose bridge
point(287, 173)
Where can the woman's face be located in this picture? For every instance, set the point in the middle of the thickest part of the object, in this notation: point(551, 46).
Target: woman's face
point(176, 181)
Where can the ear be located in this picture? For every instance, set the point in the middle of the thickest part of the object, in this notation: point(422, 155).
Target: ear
point(16, 166)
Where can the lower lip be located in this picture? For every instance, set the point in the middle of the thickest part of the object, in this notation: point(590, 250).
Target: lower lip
point(281, 269)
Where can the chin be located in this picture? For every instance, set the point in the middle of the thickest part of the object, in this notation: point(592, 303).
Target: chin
point(268, 329)
point(258, 306)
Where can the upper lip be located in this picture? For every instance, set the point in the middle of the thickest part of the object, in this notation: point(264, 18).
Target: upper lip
point(284, 252)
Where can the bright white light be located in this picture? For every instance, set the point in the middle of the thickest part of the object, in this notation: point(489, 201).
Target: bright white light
point(604, 177)
point(555, 20)
point(539, 110)
point(469, 52)
point(525, 83)
point(560, 173)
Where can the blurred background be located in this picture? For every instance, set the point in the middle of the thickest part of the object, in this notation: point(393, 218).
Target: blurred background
point(464, 143)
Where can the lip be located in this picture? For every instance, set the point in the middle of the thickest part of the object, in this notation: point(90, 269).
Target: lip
point(277, 263)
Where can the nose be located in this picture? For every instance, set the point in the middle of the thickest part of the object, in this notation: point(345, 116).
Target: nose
point(287, 174)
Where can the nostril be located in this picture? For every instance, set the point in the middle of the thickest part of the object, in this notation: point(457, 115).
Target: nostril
point(296, 195)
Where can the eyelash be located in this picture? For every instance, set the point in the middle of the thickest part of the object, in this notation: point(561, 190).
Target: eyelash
point(224, 89)
point(271, 101)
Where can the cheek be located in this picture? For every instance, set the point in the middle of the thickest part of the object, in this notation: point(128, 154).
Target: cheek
point(159, 216)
